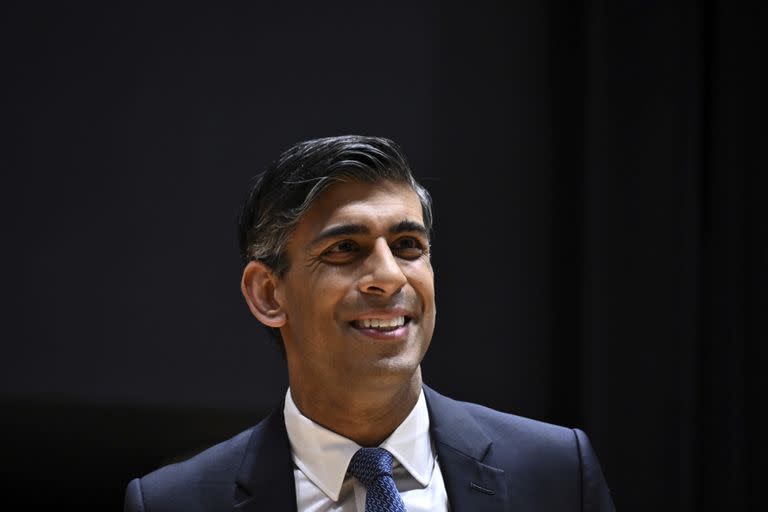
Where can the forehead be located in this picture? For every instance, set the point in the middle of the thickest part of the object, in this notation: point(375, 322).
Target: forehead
point(384, 203)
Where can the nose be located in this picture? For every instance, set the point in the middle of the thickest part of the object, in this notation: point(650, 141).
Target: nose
point(383, 274)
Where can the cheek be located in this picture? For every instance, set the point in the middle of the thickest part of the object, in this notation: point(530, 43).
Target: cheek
point(424, 283)
point(332, 283)
point(321, 295)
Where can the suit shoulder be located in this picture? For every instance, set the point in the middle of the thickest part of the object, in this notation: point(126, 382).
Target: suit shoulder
point(224, 457)
point(213, 469)
point(503, 422)
point(511, 437)
point(544, 455)
point(512, 424)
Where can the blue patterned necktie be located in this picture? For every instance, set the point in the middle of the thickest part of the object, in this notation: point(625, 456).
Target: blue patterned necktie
point(373, 467)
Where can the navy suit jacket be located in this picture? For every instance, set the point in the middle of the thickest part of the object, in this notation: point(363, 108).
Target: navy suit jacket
point(490, 461)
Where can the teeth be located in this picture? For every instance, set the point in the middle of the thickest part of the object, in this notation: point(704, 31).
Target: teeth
point(381, 323)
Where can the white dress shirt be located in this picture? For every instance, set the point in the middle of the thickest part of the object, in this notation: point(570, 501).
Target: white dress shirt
point(321, 458)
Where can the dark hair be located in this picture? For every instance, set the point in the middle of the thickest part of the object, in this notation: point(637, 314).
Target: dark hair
point(289, 186)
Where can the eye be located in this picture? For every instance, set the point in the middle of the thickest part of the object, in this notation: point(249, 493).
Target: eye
point(408, 248)
point(341, 252)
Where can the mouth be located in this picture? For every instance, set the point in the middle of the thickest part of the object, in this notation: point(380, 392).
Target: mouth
point(382, 325)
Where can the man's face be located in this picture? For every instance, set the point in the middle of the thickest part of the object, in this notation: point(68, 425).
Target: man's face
point(359, 292)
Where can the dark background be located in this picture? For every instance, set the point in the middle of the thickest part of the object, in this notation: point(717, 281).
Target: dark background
point(598, 170)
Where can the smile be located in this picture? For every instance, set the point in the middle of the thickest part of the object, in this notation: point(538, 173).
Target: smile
point(381, 324)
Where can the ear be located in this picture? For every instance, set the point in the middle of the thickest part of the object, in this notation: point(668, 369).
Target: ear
point(259, 287)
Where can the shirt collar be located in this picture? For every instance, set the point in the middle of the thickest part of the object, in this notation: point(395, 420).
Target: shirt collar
point(323, 455)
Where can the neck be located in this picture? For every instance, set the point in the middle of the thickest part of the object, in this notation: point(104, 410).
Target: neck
point(366, 415)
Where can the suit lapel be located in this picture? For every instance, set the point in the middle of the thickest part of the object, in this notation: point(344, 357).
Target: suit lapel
point(265, 478)
point(462, 446)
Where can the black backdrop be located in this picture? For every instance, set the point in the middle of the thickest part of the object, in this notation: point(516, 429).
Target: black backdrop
point(598, 172)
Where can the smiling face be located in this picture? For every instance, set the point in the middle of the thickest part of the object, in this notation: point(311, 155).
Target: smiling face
point(358, 296)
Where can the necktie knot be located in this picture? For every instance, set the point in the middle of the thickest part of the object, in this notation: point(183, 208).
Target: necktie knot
point(367, 464)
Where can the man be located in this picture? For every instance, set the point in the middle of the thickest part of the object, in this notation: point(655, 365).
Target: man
point(335, 239)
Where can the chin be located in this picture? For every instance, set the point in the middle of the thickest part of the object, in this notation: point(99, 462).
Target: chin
point(402, 366)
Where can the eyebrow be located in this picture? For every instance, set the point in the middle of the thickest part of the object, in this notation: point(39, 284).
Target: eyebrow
point(408, 226)
point(404, 226)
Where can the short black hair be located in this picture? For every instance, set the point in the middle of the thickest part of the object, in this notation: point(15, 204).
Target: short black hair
point(289, 186)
